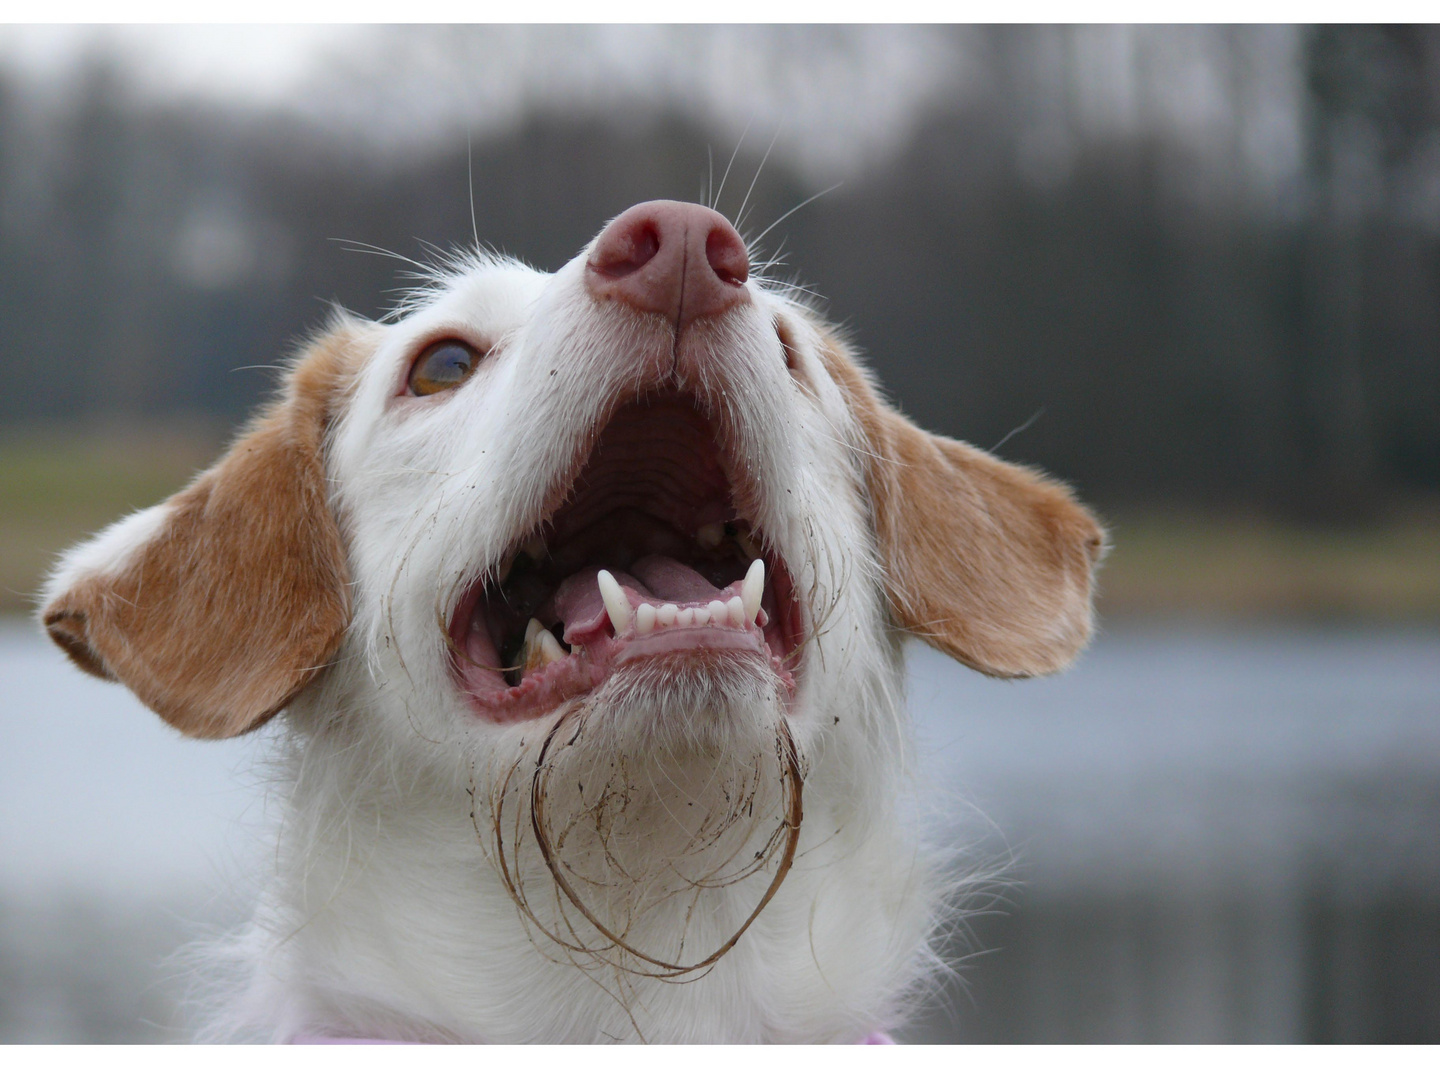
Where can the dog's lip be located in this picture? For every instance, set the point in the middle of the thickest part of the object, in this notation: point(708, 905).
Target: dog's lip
point(694, 493)
point(598, 651)
point(681, 639)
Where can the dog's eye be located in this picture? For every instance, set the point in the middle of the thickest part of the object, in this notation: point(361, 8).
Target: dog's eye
point(442, 366)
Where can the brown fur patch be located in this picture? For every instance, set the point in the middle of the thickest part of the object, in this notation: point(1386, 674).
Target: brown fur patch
point(240, 596)
point(991, 563)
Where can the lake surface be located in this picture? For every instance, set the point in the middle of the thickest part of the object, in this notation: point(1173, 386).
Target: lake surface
point(1210, 835)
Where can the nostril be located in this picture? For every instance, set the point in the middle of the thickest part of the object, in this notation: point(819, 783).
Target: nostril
point(624, 251)
point(727, 255)
point(679, 260)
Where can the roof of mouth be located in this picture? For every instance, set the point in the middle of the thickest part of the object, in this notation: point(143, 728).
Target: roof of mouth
point(661, 458)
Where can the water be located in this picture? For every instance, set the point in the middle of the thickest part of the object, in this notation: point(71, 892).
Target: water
point(119, 841)
point(1218, 836)
point(1213, 835)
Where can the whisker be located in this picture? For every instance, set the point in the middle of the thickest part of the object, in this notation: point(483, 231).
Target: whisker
point(800, 206)
point(716, 204)
point(740, 217)
point(470, 179)
point(362, 248)
point(1016, 431)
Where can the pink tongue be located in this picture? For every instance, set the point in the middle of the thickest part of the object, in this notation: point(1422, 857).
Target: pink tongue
point(657, 578)
point(670, 580)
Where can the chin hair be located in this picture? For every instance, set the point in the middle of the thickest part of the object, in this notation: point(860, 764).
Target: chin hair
point(728, 704)
point(653, 820)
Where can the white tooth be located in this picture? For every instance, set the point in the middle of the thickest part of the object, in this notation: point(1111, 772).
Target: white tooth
point(685, 617)
point(737, 611)
point(753, 589)
point(549, 648)
point(747, 544)
point(709, 536)
point(702, 616)
point(644, 618)
point(534, 547)
point(530, 656)
point(667, 615)
point(616, 604)
point(718, 612)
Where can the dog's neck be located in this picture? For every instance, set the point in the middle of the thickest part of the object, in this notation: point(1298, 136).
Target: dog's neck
point(389, 919)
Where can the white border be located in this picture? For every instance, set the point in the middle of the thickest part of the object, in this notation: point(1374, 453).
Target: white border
point(758, 11)
point(725, 1062)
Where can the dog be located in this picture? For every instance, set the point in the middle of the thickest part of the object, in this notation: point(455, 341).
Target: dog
point(583, 596)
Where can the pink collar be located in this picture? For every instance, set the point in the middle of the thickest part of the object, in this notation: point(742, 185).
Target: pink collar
point(875, 1038)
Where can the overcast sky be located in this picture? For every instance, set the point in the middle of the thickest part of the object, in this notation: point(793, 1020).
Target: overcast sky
point(836, 95)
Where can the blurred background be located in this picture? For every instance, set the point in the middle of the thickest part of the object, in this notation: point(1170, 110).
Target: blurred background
point(1195, 271)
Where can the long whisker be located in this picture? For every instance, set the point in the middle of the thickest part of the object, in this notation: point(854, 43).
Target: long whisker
point(470, 178)
point(362, 248)
point(726, 176)
point(1016, 431)
point(792, 210)
point(741, 215)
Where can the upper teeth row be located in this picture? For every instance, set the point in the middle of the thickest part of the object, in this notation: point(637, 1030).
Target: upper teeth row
point(739, 611)
point(709, 536)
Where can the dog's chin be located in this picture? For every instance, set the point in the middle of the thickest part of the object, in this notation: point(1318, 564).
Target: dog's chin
point(696, 702)
point(676, 780)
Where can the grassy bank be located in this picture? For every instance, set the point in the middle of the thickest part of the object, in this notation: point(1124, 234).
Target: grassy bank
point(58, 486)
point(1250, 566)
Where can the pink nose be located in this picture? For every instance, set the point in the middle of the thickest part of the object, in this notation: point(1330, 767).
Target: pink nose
point(675, 259)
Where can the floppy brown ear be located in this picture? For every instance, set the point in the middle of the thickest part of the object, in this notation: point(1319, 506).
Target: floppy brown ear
point(989, 562)
point(217, 606)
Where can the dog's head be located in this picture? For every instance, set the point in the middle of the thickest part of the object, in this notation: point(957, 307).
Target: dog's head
point(644, 492)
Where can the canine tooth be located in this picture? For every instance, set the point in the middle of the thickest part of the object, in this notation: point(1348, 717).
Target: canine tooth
point(616, 604)
point(548, 647)
point(685, 617)
point(702, 616)
point(709, 536)
point(718, 612)
point(753, 589)
point(530, 656)
point(644, 618)
point(747, 544)
point(736, 607)
point(667, 615)
point(503, 570)
point(534, 547)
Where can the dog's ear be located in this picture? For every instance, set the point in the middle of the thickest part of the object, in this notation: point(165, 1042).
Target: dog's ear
point(990, 562)
point(219, 605)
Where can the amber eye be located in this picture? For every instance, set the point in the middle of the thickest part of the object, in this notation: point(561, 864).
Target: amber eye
point(442, 366)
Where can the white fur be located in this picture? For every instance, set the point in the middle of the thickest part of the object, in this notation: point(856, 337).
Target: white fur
point(108, 551)
point(384, 915)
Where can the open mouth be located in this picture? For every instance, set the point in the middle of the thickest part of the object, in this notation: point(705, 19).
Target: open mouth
point(647, 561)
